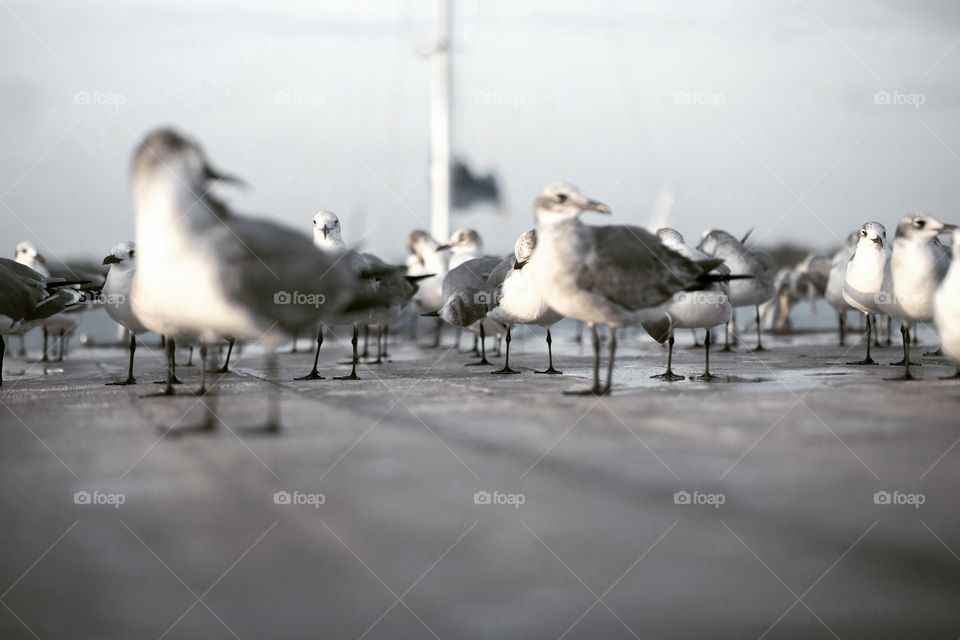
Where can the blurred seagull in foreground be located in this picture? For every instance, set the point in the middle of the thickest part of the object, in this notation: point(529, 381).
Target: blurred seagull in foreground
point(204, 272)
point(615, 275)
point(116, 297)
point(946, 305)
point(918, 264)
point(515, 299)
point(690, 310)
point(864, 277)
point(749, 292)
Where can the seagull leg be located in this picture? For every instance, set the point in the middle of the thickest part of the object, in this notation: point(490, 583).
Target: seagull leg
point(595, 389)
point(3, 350)
point(868, 359)
point(366, 342)
point(168, 349)
point(483, 349)
point(905, 335)
point(46, 335)
point(759, 327)
point(130, 379)
point(386, 342)
point(726, 335)
point(550, 368)
point(842, 321)
point(379, 359)
point(889, 332)
point(202, 391)
point(669, 375)
point(613, 353)
point(353, 366)
point(226, 362)
point(706, 376)
point(314, 374)
point(938, 352)
point(189, 357)
point(506, 361)
point(60, 347)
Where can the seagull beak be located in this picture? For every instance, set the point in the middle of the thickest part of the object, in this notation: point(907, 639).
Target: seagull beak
point(325, 229)
point(948, 228)
point(443, 247)
point(212, 174)
point(111, 259)
point(599, 207)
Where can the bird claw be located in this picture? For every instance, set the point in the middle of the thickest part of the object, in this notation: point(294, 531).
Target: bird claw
point(668, 376)
point(551, 371)
point(121, 383)
point(313, 375)
point(505, 370)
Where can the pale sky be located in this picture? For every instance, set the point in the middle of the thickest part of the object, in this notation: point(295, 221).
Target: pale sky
point(756, 114)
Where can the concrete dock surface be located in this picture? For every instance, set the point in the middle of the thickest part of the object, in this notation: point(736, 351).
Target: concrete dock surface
point(794, 497)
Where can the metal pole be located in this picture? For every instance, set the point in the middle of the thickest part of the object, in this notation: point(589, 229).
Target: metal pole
point(440, 123)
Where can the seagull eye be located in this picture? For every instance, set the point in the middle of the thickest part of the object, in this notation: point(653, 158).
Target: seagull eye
point(132, 253)
point(919, 223)
point(863, 232)
point(561, 197)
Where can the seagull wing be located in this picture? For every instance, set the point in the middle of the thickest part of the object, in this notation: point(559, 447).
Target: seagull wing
point(633, 269)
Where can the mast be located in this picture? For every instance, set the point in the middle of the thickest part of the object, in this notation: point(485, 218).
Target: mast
point(440, 122)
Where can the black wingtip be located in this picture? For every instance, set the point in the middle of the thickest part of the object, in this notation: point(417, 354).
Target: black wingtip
point(431, 314)
point(743, 240)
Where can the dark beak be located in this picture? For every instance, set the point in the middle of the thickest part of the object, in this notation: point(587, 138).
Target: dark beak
point(443, 247)
point(948, 228)
point(325, 229)
point(876, 240)
point(217, 176)
point(599, 207)
point(111, 259)
point(519, 264)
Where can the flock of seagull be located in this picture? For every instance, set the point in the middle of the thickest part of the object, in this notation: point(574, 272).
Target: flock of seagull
point(198, 273)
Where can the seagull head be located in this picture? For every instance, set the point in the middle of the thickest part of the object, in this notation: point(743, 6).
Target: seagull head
point(419, 243)
point(524, 247)
point(718, 239)
point(872, 235)
point(464, 241)
point(921, 227)
point(326, 230)
point(173, 159)
point(123, 255)
point(26, 251)
point(670, 237)
point(561, 201)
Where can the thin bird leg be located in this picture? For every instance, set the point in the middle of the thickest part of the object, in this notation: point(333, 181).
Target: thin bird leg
point(366, 342)
point(483, 350)
point(46, 335)
point(314, 374)
point(60, 347)
point(842, 321)
point(506, 362)
point(759, 343)
point(353, 367)
point(550, 369)
point(595, 389)
point(190, 357)
point(669, 375)
point(868, 359)
point(386, 341)
point(171, 363)
point(905, 334)
point(226, 363)
point(3, 350)
point(889, 332)
point(706, 376)
point(613, 353)
point(130, 379)
point(379, 359)
point(202, 391)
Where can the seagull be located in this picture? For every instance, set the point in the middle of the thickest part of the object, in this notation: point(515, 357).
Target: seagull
point(466, 297)
point(740, 260)
point(369, 274)
point(204, 272)
point(917, 265)
point(690, 310)
point(515, 299)
point(946, 306)
point(27, 297)
point(61, 324)
point(864, 276)
point(834, 290)
point(464, 245)
point(613, 275)
point(122, 260)
point(427, 258)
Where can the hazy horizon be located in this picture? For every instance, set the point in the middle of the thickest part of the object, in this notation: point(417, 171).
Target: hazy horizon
point(797, 119)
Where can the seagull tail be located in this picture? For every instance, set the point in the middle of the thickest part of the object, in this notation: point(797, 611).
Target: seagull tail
point(658, 329)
